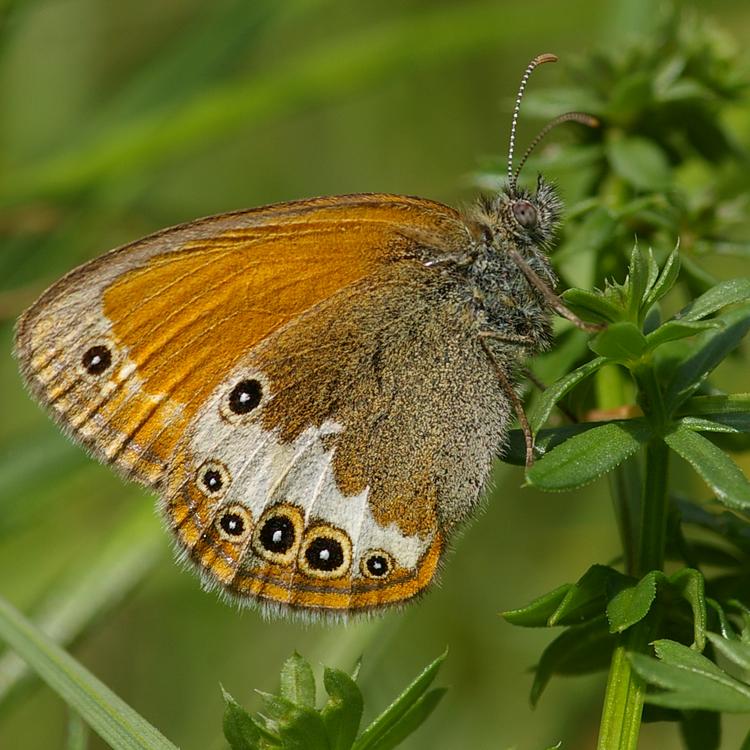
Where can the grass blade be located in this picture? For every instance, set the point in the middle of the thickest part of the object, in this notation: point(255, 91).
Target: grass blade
point(107, 714)
point(87, 593)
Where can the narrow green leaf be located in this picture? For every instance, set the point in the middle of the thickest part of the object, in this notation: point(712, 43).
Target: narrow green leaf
point(673, 330)
point(587, 456)
point(356, 668)
point(689, 680)
point(91, 589)
point(699, 424)
point(536, 614)
point(715, 467)
point(665, 281)
point(652, 276)
point(712, 349)
point(553, 393)
point(620, 342)
point(726, 293)
point(736, 651)
point(592, 306)
point(732, 411)
point(342, 712)
point(580, 649)
point(391, 716)
point(639, 161)
point(690, 585)
point(109, 716)
point(640, 271)
point(632, 604)
point(240, 730)
point(727, 631)
point(586, 598)
point(297, 681)
point(549, 438)
point(411, 720)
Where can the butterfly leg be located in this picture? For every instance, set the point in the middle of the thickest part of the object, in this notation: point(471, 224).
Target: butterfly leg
point(510, 392)
point(550, 297)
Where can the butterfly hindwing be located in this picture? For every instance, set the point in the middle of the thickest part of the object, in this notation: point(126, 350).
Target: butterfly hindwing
point(328, 470)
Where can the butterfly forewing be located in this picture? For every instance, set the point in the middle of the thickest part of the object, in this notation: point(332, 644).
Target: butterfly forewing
point(124, 350)
point(296, 382)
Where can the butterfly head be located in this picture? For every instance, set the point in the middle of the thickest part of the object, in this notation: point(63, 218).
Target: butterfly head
point(528, 217)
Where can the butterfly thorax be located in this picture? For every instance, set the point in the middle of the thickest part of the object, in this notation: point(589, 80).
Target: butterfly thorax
point(502, 299)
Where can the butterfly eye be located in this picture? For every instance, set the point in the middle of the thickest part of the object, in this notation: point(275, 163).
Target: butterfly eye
point(326, 552)
point(525, 213)
point(278, 533)
point(376, 564)
point(234, 524)
point(213, 479)
point(97, 360)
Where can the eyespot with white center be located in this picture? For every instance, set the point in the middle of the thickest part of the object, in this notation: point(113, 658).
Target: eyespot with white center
point(96, 359)
point(234, 524)
point(242, 397)
point(245, 396)
point(376, 563)
point(525, 213)
point(213, 479)
point(278, 533)
point(326, 552)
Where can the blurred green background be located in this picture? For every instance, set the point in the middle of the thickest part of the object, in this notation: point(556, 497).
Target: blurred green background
point(117, 119)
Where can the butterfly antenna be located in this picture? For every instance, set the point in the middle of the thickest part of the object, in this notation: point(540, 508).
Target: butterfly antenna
point(538, 60)
point(585, 119)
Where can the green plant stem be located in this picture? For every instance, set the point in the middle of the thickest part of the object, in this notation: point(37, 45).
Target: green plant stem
point(623, 701)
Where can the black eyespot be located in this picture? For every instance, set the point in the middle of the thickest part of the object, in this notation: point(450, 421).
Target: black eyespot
point(525, 213)
point(245, 396)
point(377, 565)
point(232, 524)
point(324, 553)
point(212, 480)
point(277, 534)
point(97, 359)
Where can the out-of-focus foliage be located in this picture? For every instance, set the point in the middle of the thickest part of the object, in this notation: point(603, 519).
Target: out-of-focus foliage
point(119, 119)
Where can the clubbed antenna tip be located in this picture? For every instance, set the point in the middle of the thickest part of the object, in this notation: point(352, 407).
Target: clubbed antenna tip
point(546, 57)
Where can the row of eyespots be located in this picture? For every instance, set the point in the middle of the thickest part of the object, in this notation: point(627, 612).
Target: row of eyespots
point(321, 550)
point(244, 397)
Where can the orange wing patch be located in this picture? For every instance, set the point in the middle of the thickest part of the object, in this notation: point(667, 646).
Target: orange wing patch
point(179, 308)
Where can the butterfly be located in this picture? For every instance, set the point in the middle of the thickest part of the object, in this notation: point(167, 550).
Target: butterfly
point(316, 390)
